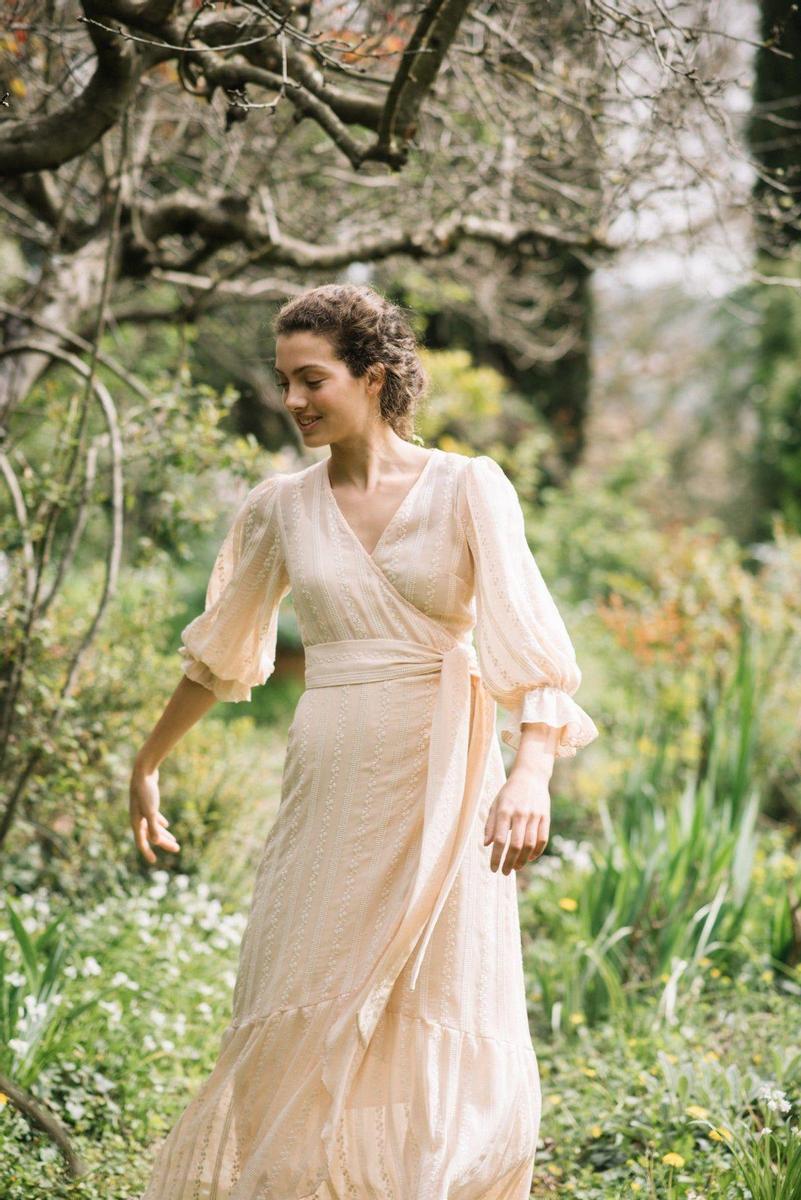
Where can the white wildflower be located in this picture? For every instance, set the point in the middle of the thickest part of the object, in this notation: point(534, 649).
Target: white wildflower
point(121, 979)
point(773, 1098)
point(113, 1008)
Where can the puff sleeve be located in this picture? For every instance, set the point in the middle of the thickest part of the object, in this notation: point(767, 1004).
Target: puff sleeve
point(230, 647)
point(525, 654)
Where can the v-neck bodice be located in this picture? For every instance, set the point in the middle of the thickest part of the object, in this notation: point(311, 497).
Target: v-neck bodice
point(451, 562)
point(397, 514)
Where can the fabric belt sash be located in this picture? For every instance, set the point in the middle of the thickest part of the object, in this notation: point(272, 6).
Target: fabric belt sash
point(457, 760)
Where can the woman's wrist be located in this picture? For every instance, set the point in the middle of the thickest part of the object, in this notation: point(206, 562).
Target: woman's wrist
point(145, 763)
point(537, 750)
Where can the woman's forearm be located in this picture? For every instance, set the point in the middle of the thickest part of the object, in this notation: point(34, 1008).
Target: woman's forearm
point(537, 749)
point(186, 706)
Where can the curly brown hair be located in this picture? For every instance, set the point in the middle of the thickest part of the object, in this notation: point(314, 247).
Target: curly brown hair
point(365, 328)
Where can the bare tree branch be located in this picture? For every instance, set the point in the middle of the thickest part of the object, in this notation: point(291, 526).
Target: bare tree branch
point(37, 143)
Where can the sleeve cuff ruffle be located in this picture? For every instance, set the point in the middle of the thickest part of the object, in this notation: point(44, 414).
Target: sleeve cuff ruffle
point(550, 706)
point(223, 689)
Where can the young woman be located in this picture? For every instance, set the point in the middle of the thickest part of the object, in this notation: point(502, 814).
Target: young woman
point(379, 1045)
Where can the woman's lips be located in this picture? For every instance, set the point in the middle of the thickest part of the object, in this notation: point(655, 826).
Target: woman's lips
point(308, 424)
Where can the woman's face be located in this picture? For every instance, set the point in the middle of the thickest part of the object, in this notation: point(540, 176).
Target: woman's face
point(325, 400)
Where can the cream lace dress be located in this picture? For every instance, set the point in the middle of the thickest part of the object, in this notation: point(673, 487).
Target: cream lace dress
point(379, 1046)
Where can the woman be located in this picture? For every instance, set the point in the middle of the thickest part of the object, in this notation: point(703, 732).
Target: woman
point(379, 1044)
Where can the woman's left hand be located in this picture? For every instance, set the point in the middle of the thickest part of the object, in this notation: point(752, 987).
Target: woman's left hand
point(523, 805)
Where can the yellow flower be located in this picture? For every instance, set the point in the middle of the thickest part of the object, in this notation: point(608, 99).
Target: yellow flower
point(595, 1131)
point(636, 1186)
point(712, 1056)
point(671, 1159)
point(704, 962)
point(590, 1071)
point(787, 866)
point(672, 1058)
point(718, 1135)
point(576, 1018)
point(3, 1098)
point(756, 1059)
point(568, 904)
point(555, 1098)
point(767, 976)
point(715, 972)
point(695, 1110)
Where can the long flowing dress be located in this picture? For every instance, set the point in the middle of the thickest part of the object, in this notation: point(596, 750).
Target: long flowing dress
point(379, 1046)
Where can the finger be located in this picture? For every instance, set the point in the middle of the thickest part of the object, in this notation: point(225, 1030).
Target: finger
point(499, 839)
point(529, 837)
point(160, 837)
point(517, 854)
point(140, 832)
point(166, 841)
point(530, 840)
point(489, 826)
point(539, 837)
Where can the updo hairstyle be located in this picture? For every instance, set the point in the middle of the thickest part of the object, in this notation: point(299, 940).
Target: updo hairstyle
point(364, 328)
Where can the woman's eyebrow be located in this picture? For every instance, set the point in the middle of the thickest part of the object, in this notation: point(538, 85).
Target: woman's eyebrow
point(298, 369)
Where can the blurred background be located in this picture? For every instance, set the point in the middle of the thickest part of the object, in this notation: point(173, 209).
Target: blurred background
point(592, 213)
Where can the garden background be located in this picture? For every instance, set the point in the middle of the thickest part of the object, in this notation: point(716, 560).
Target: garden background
point(592, 212)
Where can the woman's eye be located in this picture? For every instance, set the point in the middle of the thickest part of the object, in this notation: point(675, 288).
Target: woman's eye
point(314, 382)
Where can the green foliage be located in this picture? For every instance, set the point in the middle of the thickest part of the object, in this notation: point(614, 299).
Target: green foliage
point(777, 386)
point(658, 615)
point(75, 753)
point(654, 1110)
point(74, 835)
point(668, 887)
point(471, 410)
point(35, 1024)
point(147, 972)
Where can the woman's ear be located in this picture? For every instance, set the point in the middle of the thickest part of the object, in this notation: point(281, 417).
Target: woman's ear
point(376, 374)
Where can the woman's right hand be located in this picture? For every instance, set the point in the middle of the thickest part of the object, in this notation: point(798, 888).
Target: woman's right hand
point(148, 824)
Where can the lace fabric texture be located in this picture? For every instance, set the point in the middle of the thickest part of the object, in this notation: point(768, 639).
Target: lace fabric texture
point(435, 1076)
